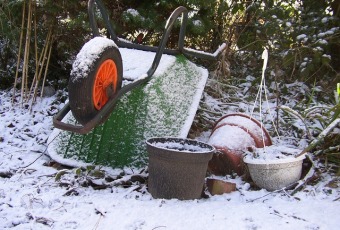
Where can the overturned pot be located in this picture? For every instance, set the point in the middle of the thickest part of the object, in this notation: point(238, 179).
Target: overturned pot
point(177, 167)
point(231, 135)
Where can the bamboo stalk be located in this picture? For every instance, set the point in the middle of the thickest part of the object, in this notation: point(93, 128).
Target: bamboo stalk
point(37, 71)
point(37, 61)
point(26, 55)
point(29, 23)
point(19, 51)
point(46, 68)
point(44, 55)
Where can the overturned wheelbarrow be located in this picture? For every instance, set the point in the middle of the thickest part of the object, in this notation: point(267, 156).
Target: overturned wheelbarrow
point(231, 135)
point(116, 102)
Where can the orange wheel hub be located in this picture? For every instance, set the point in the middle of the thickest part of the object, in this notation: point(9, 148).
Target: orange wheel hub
point(106, 77)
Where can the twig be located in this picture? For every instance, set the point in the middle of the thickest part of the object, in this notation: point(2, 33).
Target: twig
point(34, 160)
point(97, 223)
point(269, 193)
point(159, 227)
point(209, 111)
point(305, 180)
point(295, 57)
point(276, 191)
point(43, 153)
point(329, 150)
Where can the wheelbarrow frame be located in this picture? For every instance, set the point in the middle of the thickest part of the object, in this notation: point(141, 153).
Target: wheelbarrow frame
point(109, 106)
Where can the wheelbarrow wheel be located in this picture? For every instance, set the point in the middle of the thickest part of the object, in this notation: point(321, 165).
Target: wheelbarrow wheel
point(94, 81)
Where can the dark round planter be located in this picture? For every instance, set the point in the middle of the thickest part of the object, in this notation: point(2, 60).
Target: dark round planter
point(177, 167)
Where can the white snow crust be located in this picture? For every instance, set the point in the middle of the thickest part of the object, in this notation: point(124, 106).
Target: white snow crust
point(175, 146)
point(31, 198)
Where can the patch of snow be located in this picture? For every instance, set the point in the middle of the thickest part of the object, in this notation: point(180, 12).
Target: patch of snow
point(301, 36)
point(214, 55)
point(231, 137)
point(329, 32)
point(318, 48)
point(134, 68)
point(88, 54)
point(272, 154)
point(181, 147)
point(250, 78)
point(197, 23)
point(327, 56)
point(321, 35)
point(324, 20)
point(303, 64)
point(322, 41)
point(133, 12)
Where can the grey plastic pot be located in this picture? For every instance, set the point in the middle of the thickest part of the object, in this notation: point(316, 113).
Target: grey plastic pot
point(177, 167)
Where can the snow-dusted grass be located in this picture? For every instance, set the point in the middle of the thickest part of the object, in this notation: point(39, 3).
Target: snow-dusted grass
point(31, 198)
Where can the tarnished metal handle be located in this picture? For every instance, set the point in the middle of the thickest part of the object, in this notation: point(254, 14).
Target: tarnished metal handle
point(175, 14)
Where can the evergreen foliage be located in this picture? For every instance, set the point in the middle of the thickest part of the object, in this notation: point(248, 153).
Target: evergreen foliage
point(302, 36)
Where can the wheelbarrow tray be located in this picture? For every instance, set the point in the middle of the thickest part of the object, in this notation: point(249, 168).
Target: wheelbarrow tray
point(165, 106)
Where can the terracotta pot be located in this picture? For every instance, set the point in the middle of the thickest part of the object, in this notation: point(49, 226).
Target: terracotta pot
point(231, 135)
point(177, 167)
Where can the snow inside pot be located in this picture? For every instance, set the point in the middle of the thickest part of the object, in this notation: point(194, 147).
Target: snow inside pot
point(274, 167)
point(177, 167)
point(231, 135)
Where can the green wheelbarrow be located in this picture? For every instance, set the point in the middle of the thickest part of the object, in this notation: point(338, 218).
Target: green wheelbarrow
point(110, 113)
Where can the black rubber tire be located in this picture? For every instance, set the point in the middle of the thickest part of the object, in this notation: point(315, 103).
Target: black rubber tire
point(81, 89)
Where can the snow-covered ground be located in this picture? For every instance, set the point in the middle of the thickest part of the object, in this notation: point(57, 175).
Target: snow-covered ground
point(38, 193)
point(32, 198)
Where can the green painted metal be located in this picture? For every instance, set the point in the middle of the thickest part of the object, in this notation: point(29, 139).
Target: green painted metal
point(162, 107)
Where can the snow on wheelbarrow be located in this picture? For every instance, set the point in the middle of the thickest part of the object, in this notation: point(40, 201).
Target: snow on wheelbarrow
point(118, 102)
